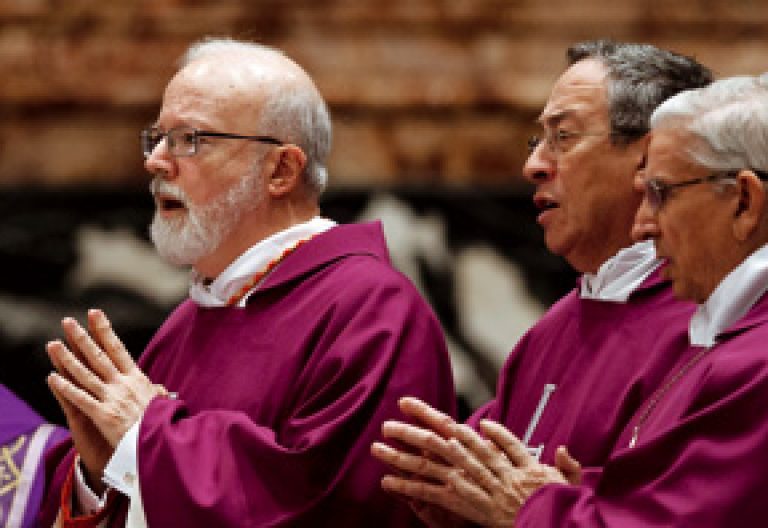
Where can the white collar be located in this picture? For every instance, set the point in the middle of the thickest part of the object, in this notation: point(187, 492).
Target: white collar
point(731, 300)
point(255, 259)
point(620, 275)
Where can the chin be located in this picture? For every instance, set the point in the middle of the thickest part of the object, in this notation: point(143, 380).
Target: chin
point(555, 243)
point(180, 243)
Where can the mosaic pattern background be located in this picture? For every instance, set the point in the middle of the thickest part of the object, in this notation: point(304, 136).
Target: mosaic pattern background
point(66, 251)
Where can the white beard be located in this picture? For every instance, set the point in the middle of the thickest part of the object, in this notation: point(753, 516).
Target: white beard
point(184, 239)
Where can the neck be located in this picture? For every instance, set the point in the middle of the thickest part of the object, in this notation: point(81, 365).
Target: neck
point(593, 265)
point(253, 229)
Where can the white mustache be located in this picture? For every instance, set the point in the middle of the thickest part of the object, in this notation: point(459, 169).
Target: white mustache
point(159, 186)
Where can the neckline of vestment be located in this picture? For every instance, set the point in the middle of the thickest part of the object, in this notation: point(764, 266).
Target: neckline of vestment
point(731, 300)
point(621, 275)
point(237, 280)
point(723, 313)
point(257, 277)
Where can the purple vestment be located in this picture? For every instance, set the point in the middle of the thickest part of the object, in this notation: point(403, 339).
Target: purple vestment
point(280, 401)
point(701, 455)
point(587, 366)
point(24, 439)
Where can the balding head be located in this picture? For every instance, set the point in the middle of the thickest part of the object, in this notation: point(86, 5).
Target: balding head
point(271, 89)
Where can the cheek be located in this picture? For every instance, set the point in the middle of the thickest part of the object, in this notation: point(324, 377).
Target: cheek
point(195, 190)
point(200, 182)
point(684, 252)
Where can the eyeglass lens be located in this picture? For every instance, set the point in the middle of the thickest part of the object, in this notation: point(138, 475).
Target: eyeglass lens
point(654, 192)
point(533, 142)
point(182, 141)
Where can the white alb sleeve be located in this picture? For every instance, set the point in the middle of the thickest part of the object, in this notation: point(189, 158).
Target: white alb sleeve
point(122, 473)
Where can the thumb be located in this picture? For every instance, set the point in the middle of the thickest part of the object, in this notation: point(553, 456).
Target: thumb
point(568, 466)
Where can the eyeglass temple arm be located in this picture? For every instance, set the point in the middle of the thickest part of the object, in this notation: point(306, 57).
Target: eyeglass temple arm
point(263, 139)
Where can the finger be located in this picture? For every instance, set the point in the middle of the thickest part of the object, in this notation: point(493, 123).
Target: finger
point(470, 464)
point(91, 353)
point(568, 466)
point(474, 496)
point(411, 464)
point(513, 448)
point(50, 349)
point(73, 371)
point(102, 330)
point(430, 494)
point(424, 492)
point(486, 453)
point(72, 398)
point(424, 439)
point(428, 416)
point(70, 411)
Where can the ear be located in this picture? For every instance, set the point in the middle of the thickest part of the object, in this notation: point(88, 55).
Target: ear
point(751, 204)
point(286, 176)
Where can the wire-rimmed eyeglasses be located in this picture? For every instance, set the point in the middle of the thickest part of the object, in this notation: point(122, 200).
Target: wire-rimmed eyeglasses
point(657, 192)
point(557, 140)
point(185, 141)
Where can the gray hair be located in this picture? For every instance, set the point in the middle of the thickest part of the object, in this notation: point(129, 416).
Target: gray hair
point(293, 112)
point(730, 119)
point(640, 77)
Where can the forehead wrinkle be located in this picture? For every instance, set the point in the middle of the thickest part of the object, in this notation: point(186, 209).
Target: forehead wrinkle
point(191, 108)
point(553, 119)
point(203, 95)
point(580, 92)
point(667, 158)
point(570, 110)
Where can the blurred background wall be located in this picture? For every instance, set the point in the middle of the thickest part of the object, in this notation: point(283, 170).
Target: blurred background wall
point(432, 102)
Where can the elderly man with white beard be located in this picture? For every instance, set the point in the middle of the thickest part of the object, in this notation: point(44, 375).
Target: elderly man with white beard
point(256, 401)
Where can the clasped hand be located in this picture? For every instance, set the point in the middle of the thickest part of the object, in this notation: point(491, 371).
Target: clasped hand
point(461, 476)
point(99, 387)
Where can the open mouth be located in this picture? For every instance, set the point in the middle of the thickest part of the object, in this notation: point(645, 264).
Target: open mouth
point(169, 203)
point(544, 203)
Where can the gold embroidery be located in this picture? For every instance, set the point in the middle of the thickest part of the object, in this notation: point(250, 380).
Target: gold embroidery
point(9, 471)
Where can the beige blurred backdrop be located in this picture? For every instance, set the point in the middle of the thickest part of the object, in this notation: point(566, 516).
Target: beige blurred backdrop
point(423, 92)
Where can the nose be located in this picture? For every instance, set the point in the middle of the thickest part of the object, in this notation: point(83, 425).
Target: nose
point(540, 165)
point(646, 224)
point(160, 163)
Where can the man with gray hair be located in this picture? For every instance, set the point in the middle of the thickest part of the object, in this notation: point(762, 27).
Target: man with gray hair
point(696, 453)
point(256, 401)
point(578, 376)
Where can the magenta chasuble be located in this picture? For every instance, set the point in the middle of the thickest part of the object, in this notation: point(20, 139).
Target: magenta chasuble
point(700, 459)
point(280, 401)
point(578, 376)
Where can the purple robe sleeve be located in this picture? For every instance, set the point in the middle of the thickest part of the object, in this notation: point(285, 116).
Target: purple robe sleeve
point(310, 465)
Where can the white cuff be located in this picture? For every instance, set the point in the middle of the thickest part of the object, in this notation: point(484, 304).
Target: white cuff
point(122, 472)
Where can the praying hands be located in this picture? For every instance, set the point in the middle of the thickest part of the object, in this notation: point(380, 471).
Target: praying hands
point(462, 476)
point(100, 389)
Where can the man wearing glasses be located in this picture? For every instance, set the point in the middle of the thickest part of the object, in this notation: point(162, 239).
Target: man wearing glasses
point(696, 452)
point(256, 402)
point(578, 376)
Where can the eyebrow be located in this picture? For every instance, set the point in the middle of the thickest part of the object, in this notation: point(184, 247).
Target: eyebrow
point(554, 118)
